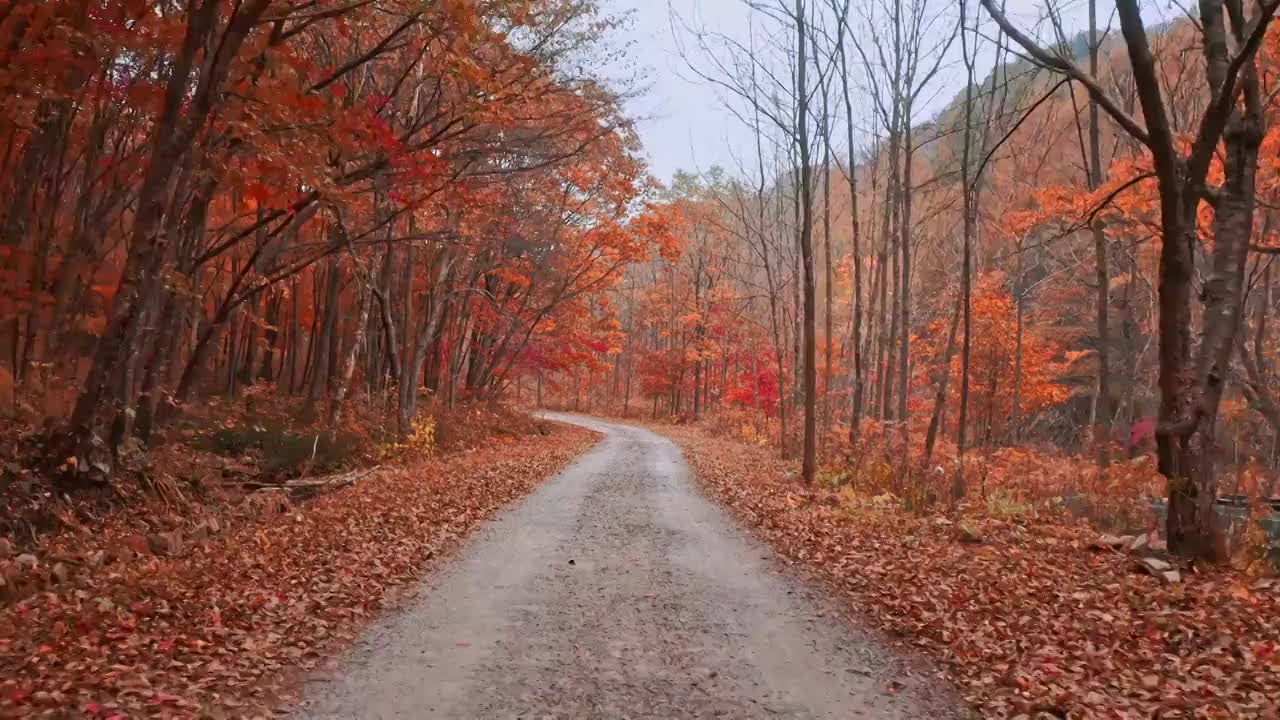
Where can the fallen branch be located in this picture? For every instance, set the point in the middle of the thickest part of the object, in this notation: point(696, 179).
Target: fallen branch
point(309, 487)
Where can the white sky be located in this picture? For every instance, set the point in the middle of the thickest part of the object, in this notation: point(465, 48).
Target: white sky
point(684, 124)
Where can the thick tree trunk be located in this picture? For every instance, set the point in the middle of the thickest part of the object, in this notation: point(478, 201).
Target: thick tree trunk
point(150, 249)
point(1235, 121)
point(1186, 445)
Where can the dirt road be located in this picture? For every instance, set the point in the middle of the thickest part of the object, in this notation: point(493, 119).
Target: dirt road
point(617, 591)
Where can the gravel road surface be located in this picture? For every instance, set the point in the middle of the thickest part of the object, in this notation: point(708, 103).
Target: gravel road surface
point(616, 590)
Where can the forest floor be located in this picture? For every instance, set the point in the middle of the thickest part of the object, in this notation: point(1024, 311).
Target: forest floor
point(616, 590)
point(1031, 614)
point(214, 607)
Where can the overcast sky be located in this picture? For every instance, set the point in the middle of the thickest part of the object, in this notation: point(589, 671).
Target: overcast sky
point(684, 124)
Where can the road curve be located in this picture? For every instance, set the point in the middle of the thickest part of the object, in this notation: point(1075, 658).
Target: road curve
point(617, 591)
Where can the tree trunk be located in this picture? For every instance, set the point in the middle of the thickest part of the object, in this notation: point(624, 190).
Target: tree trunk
point(1105, 409)
point(809, 461)
point(966, 265)
point(855, 410)
point(829, 275)
point(149, 249)
point(904, 235)
point(349, 362)
point(1187, 458)
point(411, 375)
point(321, 371)
point(944, 377)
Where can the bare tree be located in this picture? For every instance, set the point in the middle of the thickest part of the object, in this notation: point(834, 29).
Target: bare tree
point(810, 383)
point(966, 267)
point(856, 386)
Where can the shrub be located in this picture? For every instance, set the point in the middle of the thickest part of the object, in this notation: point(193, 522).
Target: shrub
point(282, 451)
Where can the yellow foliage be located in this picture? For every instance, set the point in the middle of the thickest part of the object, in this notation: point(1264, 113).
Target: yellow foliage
point(419, 443)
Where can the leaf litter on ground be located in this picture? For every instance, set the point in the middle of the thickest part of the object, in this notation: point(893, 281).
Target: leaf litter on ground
point(1032, 618)
point(222, 625)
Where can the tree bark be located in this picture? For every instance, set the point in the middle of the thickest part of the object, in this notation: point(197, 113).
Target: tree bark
point(940, 397)
point(809, 461)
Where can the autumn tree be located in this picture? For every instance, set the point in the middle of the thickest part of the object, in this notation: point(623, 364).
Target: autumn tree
point(1192, 379)
point(326, 197)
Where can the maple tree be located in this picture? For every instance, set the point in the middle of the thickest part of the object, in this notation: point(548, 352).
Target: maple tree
point(206, 196)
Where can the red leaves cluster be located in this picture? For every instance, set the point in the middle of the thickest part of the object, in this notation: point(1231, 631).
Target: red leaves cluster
point(1027, 618)
point(218, 628)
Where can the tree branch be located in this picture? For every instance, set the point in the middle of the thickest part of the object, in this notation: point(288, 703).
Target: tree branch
point(1066, 67)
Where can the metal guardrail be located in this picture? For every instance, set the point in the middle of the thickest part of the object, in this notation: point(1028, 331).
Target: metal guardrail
point(1236, 510)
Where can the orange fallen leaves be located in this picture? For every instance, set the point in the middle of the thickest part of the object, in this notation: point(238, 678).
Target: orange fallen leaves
point(1025, 616)
point(221, 628)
